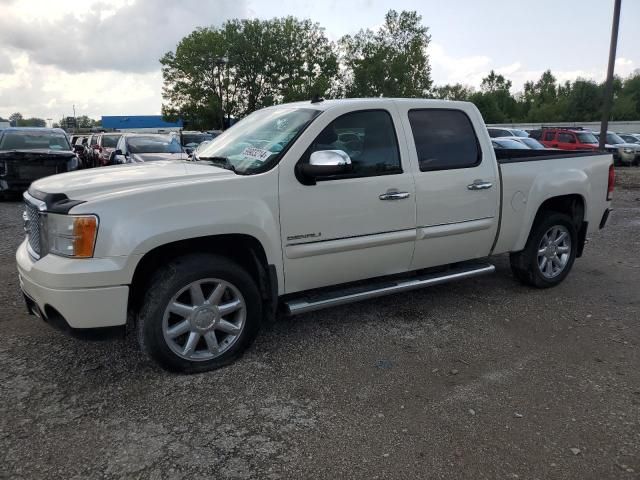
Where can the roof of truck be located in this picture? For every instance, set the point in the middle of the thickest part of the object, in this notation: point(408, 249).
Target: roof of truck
point(327, 104)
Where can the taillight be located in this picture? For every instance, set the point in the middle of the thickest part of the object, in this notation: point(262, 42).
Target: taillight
point(612, 181)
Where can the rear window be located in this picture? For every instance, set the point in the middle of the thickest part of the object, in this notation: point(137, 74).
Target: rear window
point(549, 136)
point(34, 140)
point(444, 139)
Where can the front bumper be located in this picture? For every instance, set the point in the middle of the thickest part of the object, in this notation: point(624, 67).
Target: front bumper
point(79, 308)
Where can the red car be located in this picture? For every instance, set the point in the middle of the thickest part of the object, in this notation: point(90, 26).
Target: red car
point(103, 145)
point(566, 138)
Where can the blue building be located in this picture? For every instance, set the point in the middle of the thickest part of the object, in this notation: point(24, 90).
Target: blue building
point(139, 123)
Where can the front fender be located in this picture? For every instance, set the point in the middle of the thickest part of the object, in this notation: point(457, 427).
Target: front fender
point(134, 223)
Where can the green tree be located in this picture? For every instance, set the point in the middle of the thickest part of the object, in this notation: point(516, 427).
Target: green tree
point(31, 122)
point(391, 62)
point(14, 118)
point(456, 91)
point(195, 78)
point(85, 122)
point(217, 73)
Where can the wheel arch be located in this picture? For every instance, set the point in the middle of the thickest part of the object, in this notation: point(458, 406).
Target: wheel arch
point(244, 249)
point(573, 205)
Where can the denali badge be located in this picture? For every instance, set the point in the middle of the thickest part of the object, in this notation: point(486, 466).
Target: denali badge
point(305, 235)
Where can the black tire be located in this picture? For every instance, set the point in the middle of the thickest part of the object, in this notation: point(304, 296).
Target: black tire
point(524, 264)
point(167, 282)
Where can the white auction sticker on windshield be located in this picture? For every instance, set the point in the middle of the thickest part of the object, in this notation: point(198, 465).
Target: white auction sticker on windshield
point(257, 153)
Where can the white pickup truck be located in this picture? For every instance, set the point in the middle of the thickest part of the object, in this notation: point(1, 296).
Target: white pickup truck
point(299, 207)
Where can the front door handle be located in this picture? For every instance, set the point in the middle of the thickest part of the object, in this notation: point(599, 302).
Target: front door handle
point(394, 195)
point(479, 185)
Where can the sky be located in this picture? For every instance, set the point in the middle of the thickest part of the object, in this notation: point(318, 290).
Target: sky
point(102, 55)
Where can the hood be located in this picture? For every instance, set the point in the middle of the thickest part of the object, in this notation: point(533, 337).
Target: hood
point(154, 157)
point(92, 183)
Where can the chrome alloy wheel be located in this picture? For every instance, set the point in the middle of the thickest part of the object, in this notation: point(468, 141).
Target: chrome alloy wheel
point(554, 251)
point(204, 319)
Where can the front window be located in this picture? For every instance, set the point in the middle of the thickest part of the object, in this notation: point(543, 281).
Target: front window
point(256, 142)
point(154, 144)
point(34, 140)
point(587, 138)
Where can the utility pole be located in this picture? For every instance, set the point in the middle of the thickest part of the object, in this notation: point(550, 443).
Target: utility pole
point(75, 121)
point(608, 90)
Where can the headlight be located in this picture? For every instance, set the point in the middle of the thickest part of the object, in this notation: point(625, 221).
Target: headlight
point(72, 164)
point(628, 150)
point(71, 235)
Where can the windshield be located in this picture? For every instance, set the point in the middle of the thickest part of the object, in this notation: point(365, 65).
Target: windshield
point(34, 140)
point(195, 139)
point(154, 144)
point(532, 143)
point(614, 139)
point(586, 138)
point(110, 141)
point(513, 144)
point(252, 144)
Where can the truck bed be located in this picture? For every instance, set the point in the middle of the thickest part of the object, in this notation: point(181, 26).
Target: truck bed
point(527, 179)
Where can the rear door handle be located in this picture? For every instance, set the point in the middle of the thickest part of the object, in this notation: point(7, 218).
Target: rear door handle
point(394, 195)
point(479, 185)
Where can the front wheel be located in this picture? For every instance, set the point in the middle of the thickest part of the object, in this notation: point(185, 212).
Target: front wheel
point(549, 252)
point(200, 313)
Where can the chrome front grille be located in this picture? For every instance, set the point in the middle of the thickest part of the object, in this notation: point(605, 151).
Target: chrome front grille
point(31, 218)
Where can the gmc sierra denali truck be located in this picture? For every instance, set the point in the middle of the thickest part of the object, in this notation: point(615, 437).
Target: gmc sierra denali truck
point(295, 208)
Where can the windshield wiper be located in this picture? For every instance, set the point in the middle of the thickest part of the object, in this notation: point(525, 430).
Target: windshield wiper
point(220, 162)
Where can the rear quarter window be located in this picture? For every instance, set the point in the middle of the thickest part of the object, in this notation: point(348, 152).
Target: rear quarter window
point(445, 139)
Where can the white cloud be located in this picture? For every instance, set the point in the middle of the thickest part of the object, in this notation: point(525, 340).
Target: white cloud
point(102, 57)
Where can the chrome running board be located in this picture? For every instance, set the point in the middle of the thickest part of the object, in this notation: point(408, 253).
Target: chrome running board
point(303, 304)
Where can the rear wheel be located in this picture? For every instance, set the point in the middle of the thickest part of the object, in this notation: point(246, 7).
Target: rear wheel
point(200, 313)
point(549, 252)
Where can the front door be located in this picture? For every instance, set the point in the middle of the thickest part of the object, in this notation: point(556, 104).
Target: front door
point(457, 188)
point(353, 226)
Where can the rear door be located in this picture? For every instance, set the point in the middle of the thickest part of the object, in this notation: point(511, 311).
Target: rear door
point(352, 226)
point(457, 188)
point(566, 141)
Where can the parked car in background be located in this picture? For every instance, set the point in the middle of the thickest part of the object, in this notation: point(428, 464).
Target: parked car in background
point(28, 154)
point(190, 140)
point(566, 138)
point(532, 143)
point(624, 153)
point(508, 143)
point(630, 137)
point(139, 147)
point(105, 144)
point(79, 146)
point(495, 132)
point(279, 213)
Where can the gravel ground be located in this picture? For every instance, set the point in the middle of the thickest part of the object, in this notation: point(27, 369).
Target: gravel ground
point(479, 379)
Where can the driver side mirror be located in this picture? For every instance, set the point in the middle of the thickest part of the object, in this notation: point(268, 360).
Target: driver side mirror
point(325, 163)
